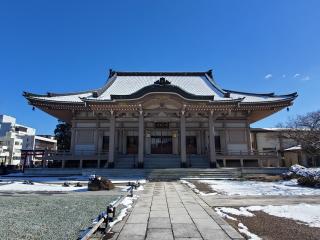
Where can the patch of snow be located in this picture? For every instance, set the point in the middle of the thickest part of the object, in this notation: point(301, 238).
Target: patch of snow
point(243, 229)
point(251, 188)
point(140, 188)
point(238, 212)
point(294, 148)
point(127, 203)
point(194, 188)
point(305, 172)
point(71, 179)
point(115, 180)
point(224, 215)
point(308, 214)
point(38, 187)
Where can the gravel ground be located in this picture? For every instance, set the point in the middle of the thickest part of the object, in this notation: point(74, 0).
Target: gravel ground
point(57, 216)
point(203, 187)
point(276, 228)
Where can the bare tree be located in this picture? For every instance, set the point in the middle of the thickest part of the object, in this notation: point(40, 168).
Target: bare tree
point(305, 131)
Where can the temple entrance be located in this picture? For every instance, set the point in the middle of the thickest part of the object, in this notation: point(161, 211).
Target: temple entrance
point(161, 144)
point(132, 144)
point(217, 142)
point(191, 144)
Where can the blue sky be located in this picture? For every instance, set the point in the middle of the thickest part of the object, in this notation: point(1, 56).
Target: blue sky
point(63, 46)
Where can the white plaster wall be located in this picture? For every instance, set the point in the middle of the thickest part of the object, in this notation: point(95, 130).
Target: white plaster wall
point(267, 140)
point(237, 147)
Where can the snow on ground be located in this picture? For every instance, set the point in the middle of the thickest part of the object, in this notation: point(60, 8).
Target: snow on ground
point(308, 214)
point(38, 187)
point(251, 188)
point(194, 188)
point(79, 178)
point(243, 229)
point(306, 172)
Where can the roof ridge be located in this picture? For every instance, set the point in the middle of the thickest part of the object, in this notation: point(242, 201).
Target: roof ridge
point(51, 94)
point(158, 73)
point(272, 94)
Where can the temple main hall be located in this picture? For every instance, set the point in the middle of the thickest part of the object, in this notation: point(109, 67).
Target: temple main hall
point(161, 120)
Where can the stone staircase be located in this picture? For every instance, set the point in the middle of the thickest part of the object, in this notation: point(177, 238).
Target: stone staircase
point(135, 173)
point(167, 174)
point(161, 161)
point(193, 173)
point(130, 161)
point(197, 161)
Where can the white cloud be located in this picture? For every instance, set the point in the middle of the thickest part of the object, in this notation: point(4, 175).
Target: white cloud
point(297, 75)
point(268, 76)
point(306, 78)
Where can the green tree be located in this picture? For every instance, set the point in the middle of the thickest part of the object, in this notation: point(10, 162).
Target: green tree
point(63, 135)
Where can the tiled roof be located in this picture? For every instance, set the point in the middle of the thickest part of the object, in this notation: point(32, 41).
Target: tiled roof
point(193, 83)
point(126, 85)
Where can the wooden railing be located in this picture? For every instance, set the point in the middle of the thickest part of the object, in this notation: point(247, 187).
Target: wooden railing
point(247, 153)
point(94, 155)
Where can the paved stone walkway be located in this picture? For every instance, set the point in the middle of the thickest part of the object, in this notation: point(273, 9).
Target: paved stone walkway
point(170, 210)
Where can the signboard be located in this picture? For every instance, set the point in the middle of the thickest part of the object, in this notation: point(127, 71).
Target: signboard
point(161, 125)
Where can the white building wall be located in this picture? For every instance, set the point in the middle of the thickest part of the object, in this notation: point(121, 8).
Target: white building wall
point(15, 137)
point(267, 141)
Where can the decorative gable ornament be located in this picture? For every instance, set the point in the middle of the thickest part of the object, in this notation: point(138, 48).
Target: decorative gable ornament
point(162, 81)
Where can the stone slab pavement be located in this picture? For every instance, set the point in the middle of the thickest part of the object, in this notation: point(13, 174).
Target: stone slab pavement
point(171, 210)
point(243, 201)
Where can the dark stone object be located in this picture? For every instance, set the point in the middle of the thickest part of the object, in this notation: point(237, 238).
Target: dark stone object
point(97, 183)
point(78, 184)
point(66, 184)
point(28, 182)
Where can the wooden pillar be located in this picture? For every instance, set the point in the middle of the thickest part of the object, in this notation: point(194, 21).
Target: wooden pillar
point(96, 140)
point(249, 141)
point(212, 147)
point(183, 140)
point(73, 138)
point(124, 143)
point(99, 147)
point(198, 137)
point(111, 139)
point(141, 140)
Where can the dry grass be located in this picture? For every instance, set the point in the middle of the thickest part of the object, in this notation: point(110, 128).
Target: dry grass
point(270, 227)
point(263, 178)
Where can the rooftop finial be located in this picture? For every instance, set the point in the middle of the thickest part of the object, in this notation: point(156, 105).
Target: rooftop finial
point(111, 72)
point(210, 73)
point(162, 81)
